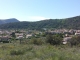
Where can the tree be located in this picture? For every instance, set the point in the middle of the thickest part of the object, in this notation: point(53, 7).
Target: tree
point(13, 34)
point(59, 35)
point(57, 40)
point(49, 39)
point(54, 40)
point(75, 40)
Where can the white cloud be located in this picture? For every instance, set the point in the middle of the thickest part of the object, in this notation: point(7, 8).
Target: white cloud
point(37, 18)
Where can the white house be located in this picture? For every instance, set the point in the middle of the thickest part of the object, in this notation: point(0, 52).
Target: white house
point(28, 35)
point(66, 39)
point(19, 35)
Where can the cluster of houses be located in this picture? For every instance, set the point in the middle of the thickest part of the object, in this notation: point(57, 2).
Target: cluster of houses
point(5, 35)
point(68, 34)
point(68, 37)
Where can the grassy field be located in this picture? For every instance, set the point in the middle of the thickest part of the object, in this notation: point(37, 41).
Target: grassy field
point(16, 51)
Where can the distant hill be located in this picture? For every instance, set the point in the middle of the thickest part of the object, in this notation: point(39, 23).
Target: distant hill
point(8, 21)
point(69, 23)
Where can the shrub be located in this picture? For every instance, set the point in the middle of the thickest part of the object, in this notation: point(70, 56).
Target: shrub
point(36, 41)
point(16, 52)
point(49, 39)
point(54, 40)
point(75, 40)
point(5, 41)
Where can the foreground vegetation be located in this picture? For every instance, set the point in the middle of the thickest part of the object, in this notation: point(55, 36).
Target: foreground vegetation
point(41, 48)
point(16, 51)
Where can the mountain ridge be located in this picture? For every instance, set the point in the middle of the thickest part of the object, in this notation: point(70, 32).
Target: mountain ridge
point(69, 23)
point(11, 20)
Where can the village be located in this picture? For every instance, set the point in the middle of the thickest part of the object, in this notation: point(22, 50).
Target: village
point(7, 35)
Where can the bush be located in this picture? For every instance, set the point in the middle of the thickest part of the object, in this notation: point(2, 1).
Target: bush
point(36, 41)
point(57, 40)
point(16, 52)
point(75, 40)
point(49, 39)
point(5, 41)
point(54, 40)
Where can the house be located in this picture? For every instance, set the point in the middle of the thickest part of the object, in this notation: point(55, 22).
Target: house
point(66, 39)
point(5, 39)
point(77, 32)
point(19, 35)
point(29, 35)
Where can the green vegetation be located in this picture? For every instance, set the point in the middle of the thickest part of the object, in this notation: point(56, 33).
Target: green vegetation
point(16, 52)
point(74, 41)
point(69, 23)
point(55, 39)
point(36, 41)
point(38, 49)
point(38, 52)
point(13, 34)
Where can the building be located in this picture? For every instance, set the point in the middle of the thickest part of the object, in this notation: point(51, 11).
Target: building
point(28, 35)
point(77, 32)
point(19, 35)
point(66, 39)
point(5, 39)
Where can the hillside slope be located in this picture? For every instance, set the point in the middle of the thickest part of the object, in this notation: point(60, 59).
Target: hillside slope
point(70, 23)
point(8, 21)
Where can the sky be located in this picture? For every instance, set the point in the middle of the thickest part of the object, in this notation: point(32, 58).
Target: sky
point(36, 10)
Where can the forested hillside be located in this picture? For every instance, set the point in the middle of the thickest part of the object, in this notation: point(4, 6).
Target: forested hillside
point(70, 23)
